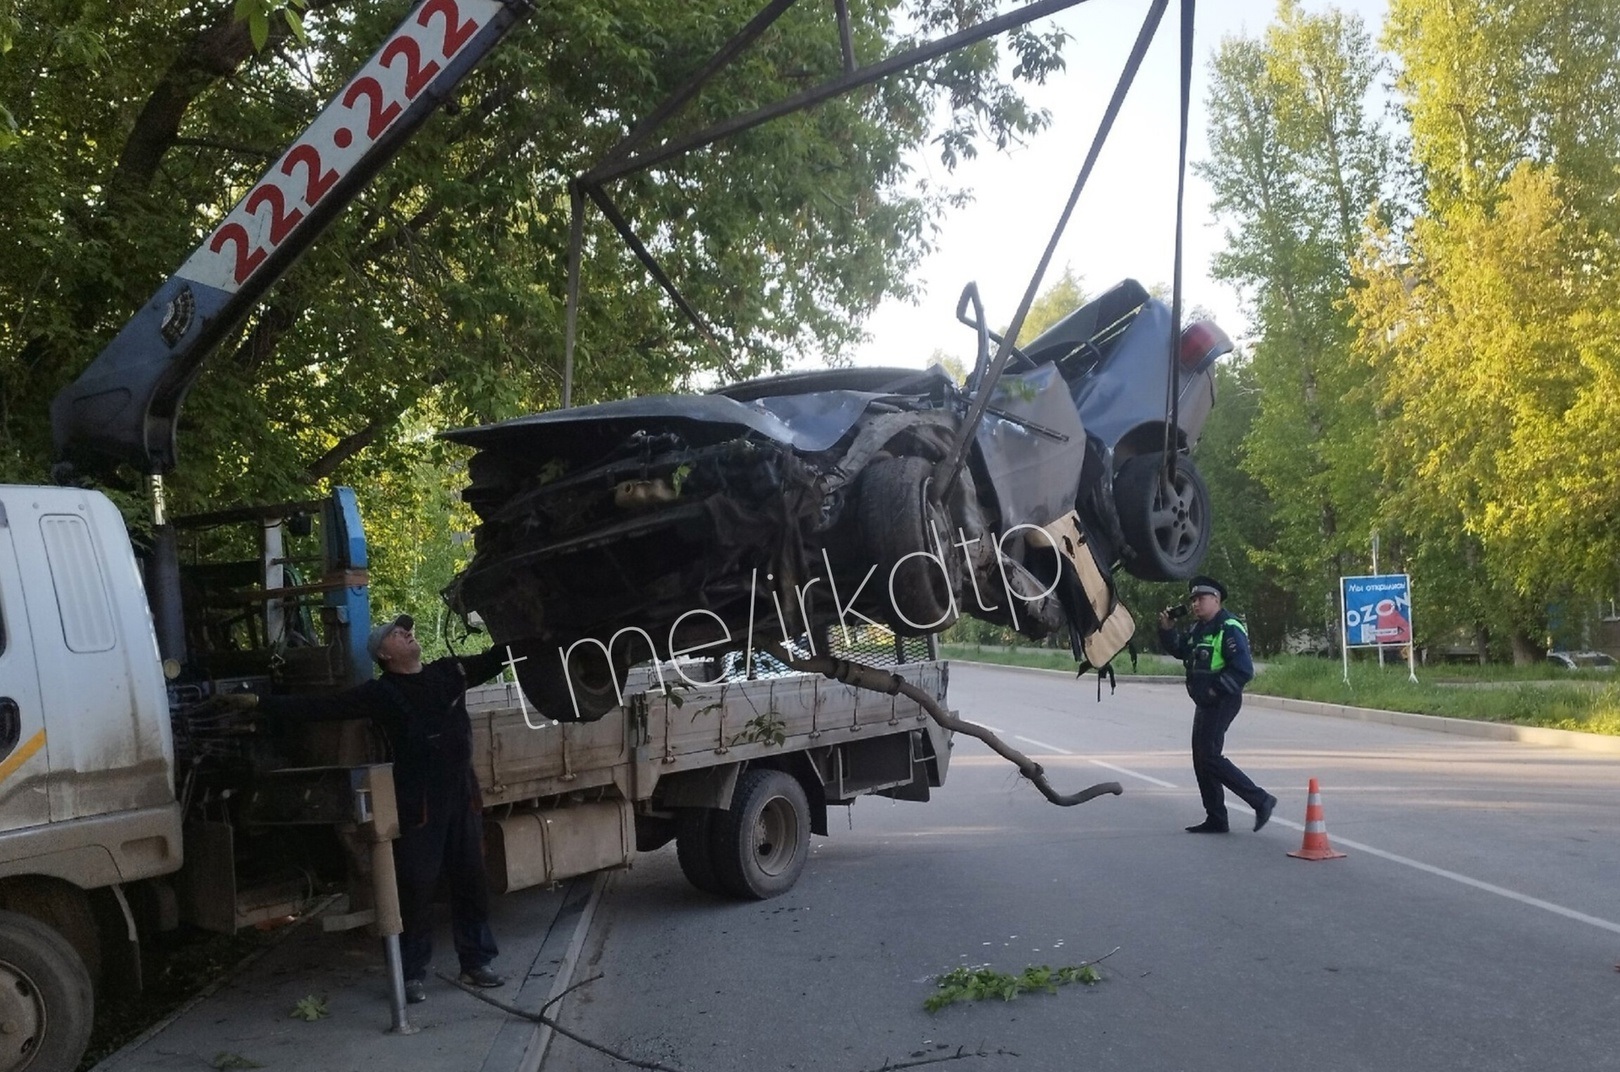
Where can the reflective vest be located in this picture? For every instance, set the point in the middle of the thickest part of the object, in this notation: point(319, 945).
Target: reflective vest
point(1216, 659)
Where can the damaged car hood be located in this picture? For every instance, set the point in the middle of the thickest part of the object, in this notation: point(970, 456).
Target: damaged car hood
point(806, 422)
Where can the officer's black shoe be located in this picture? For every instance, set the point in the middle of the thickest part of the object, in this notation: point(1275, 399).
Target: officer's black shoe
point(1208, 826)
point(1262, 814)
point(415, 992)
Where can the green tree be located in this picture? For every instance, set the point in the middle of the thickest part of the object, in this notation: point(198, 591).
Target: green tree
point(1487, 320)
point(1053, 304)
point(437, 299)
point(1296, 167)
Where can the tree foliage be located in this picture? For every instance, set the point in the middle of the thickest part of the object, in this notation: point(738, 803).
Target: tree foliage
point(1489, 319)
point(1296, 166)
point(437, 299)
point(1437, 370)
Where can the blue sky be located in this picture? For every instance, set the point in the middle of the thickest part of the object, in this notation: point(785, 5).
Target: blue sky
point(1124, 223)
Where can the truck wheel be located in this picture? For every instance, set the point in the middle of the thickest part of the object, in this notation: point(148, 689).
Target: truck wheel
point(1167, 523)
point(694, 848)
point(761, 842)
point(46, 1006)
point(895, 510)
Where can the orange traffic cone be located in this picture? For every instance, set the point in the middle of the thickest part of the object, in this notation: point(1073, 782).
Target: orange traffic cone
point(1315, 846)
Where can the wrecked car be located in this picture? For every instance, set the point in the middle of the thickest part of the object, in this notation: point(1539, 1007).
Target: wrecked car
point(782, 509)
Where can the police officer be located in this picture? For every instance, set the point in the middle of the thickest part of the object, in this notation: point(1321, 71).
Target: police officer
point(1216, 653)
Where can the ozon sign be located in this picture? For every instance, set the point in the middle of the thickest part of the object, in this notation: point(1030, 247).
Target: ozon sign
point(1377, 610)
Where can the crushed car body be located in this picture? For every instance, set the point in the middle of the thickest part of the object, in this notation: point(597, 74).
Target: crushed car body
point(791, 506)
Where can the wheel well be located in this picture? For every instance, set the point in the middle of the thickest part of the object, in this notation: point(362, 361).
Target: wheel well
point(66, 909)
point(1144, 439)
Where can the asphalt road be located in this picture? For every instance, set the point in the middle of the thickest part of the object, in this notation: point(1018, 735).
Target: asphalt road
point(1474, 925)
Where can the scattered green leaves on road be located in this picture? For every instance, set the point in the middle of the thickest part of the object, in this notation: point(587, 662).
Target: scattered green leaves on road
point(979, 984)
point(310, 1008)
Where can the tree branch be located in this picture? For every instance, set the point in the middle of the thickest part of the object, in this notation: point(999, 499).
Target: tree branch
point(346, 448)
point(961, 1053)
point(542, 1018)
point(210, 55)
point(258, 151)
point(867, 677)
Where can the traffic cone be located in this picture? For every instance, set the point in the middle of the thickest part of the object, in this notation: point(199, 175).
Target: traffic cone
point(1315, 846)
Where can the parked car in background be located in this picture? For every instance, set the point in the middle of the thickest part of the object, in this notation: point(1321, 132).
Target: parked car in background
point(791, 505)
point(1581, 660)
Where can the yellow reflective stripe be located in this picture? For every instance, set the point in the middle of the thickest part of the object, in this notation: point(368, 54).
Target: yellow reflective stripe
point(22, 755)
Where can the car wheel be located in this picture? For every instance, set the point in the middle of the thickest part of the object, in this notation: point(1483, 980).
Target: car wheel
point(45, 997)
point(896, 509)
point(761, 842)
point(588, 690)
point(1166, 522)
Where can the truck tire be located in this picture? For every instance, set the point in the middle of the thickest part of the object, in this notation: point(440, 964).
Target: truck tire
point(64, 909)
point(1166, 523)
point(761, 842)
point(895, 510)
point(45, 994)
point(694, 849)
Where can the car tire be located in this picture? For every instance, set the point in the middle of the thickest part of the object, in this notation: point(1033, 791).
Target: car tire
point(597, 682)
point(47, 1001)
point(896, 509)
point(1166, 524)
point(761, 842)
point(694, 849)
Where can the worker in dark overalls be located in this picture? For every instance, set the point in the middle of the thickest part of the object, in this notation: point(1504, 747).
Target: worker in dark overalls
point(422, 712)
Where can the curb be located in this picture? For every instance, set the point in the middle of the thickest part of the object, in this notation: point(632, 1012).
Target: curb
point(1461, 727)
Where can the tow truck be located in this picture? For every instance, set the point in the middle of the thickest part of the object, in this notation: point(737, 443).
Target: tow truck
point(130, 803)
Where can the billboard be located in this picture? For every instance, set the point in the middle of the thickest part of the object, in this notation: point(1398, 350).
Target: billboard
point(1377, 610)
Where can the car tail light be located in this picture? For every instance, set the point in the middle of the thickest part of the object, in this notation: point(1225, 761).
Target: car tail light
point(1202, 342)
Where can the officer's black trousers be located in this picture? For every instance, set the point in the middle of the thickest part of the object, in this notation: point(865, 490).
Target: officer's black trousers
point(1216, 773)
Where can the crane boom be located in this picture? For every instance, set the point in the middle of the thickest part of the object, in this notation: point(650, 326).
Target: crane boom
point(123, 408)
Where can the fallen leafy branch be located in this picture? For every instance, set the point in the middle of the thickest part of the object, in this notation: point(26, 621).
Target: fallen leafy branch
point(868, 677)
point(310, 1009)
point(979, 984)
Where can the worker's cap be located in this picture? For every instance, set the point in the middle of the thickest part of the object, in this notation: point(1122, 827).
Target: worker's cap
point(1206, 586)
point(374, 642)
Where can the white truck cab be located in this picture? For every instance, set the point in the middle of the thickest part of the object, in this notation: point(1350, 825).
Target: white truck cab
point(87, 794)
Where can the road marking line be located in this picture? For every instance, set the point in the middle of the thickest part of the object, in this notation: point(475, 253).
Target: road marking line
point(1136, 774)
point(1121, 770)
point(1512, 895)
